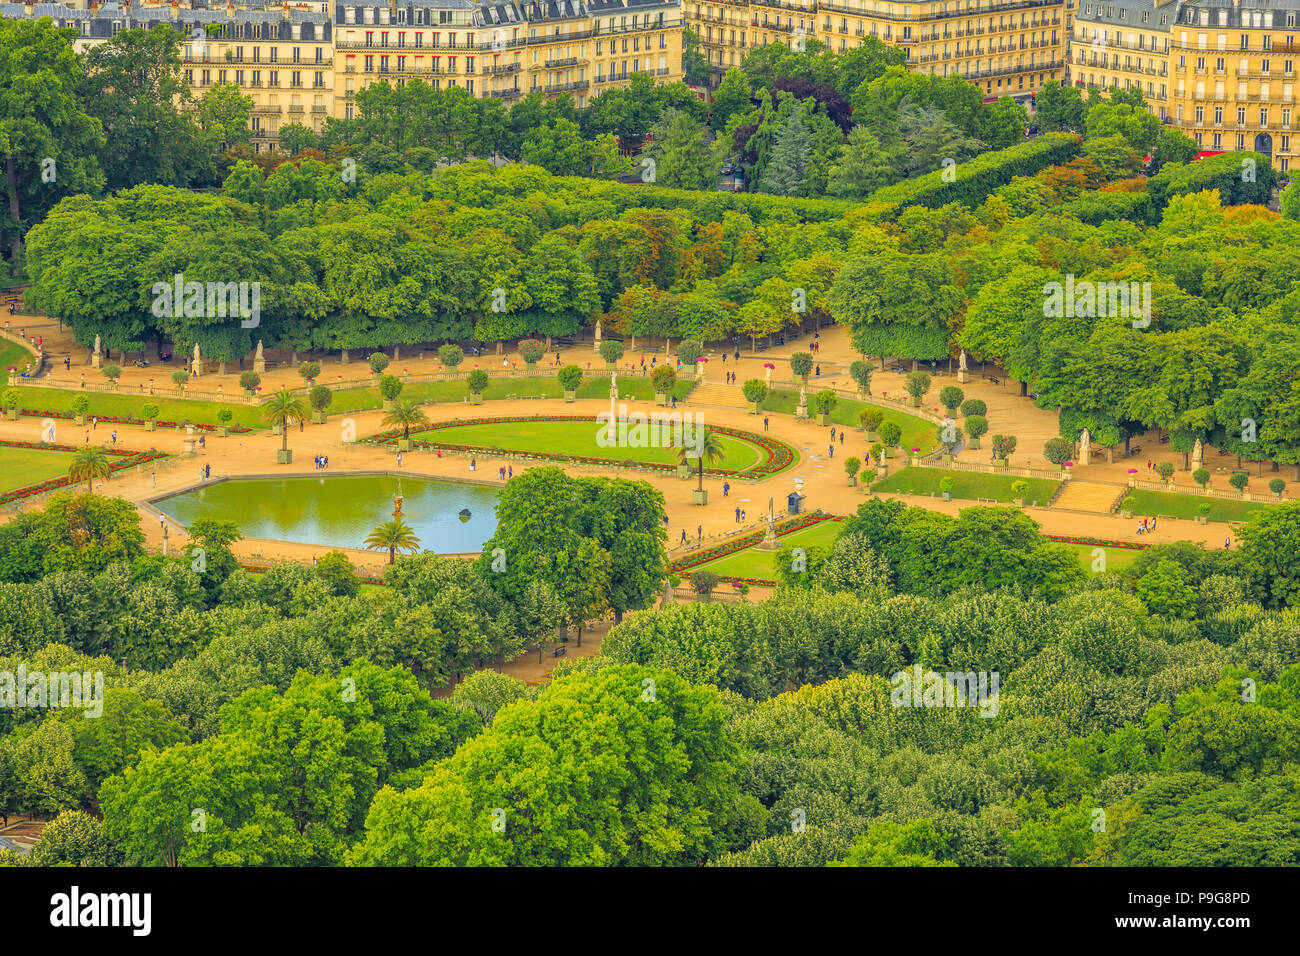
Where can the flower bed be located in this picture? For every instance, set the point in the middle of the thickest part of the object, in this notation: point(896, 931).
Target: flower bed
point(127, 459)
point(1099, 542)
point(713, 552)
point(129, 420)
point(778, 454)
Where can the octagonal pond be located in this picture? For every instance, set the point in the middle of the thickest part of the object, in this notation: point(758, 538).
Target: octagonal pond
point(339, 511)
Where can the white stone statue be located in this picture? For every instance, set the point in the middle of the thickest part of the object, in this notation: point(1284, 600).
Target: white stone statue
point(961, 360)
point(1085, 447)
point(98, 344)
point(197, 357)
point(259, 350)
point(596, 345)
point(1198, 453)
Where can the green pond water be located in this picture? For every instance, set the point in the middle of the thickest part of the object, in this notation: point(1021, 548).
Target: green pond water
point(341, 510)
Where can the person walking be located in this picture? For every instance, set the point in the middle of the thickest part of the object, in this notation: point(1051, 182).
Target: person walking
point(683, 536)
point(699, 535)
point(1227, 543)
point(742, 514)
point(841, 439)
point(473, 464)
point(832, 433)
point(726, 488)
point(399, 459)
point(831, 450)
point(765, 423)
point(510, 472)
point(737, 514)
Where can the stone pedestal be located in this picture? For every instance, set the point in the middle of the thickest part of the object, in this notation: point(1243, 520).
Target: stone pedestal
point(259, 366)
point(190, 444)
point(96, 360)
point(962, 376)
point(196, 367)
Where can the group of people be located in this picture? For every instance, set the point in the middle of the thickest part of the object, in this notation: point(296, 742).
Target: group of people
point(322, 462)
point(1146, 525)
point(505, 472)
point(740, 515)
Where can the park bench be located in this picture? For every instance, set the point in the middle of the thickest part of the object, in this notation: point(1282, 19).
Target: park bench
point(560, 651)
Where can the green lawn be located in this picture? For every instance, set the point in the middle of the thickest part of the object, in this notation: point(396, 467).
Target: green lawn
point(1117, 559)
point(753, 563)
point(579, 438)
point(15, 355)
point(1161, 503)
point(121, 404)
point(20, 467)
point(924, 481)
point(917, 432)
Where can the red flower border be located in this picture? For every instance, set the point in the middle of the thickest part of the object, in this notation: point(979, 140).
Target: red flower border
point(128, 459)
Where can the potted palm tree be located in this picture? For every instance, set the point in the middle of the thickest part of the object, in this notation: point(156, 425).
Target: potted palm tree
point(150, 414)
point(320, 398)
point(709, 449)
point(570, 378)
point(406, 415)
point(393, 536)
point(89, 464)
point(283, 410)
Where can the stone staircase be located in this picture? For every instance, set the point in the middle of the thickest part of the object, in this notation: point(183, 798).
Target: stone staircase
point(1091, 496)
point(722, 396)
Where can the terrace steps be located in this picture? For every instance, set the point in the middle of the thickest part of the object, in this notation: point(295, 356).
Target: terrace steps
point(719, 395)
point(1094, 497)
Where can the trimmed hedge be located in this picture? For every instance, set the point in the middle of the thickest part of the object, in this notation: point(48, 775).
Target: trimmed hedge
point(977, 178)
point(1222, 172)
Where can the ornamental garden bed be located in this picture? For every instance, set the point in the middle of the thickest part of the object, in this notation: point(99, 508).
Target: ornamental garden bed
point(120, 460)
point(1162, 503)
point(967, 485)
point(766, 455)
point(130, 420)
point(745, 541)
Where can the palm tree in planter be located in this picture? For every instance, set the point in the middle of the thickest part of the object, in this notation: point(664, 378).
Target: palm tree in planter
point(946, 485)
point(801, 364)
point(406, 415)
point(611, 351)
point(393, 536)
point(150, 414)
point(283, 410)
point(664, 379)
point(1020, 489)
point(707, 448)
point(390, 386)
point(224, 418)
point(570, 378)
point(917, 384)
point(891, 433)
point(11, 399)
point(851, 468)
point(89, 464)
point(80, 406)
point(824, 401)
point(860, 372)
point(870, 419)
point(476, 381)
point(320, 398)
point(755, 393)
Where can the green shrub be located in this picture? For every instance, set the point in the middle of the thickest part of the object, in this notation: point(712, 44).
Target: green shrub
point(663, 378)
point(320, 397)
point(824, 401)
point(570, 378)
point(951, 397)
point(531, 351)
point(377, 361)
point(390, 386)
point(450, 355)
point(249, 380)
point(477, 381)
point(309, 370)
point(974, 406)
point(150, 412)
point(755, 390)
point(1058, 450)
point(801, 363)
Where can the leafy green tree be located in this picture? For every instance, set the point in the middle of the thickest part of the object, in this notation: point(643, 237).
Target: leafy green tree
point(864, 165)
point(1269, 554)
point(786, 173)
point(73, 838)
point(1165, 591)
point(635, 806)
point(682, 158)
